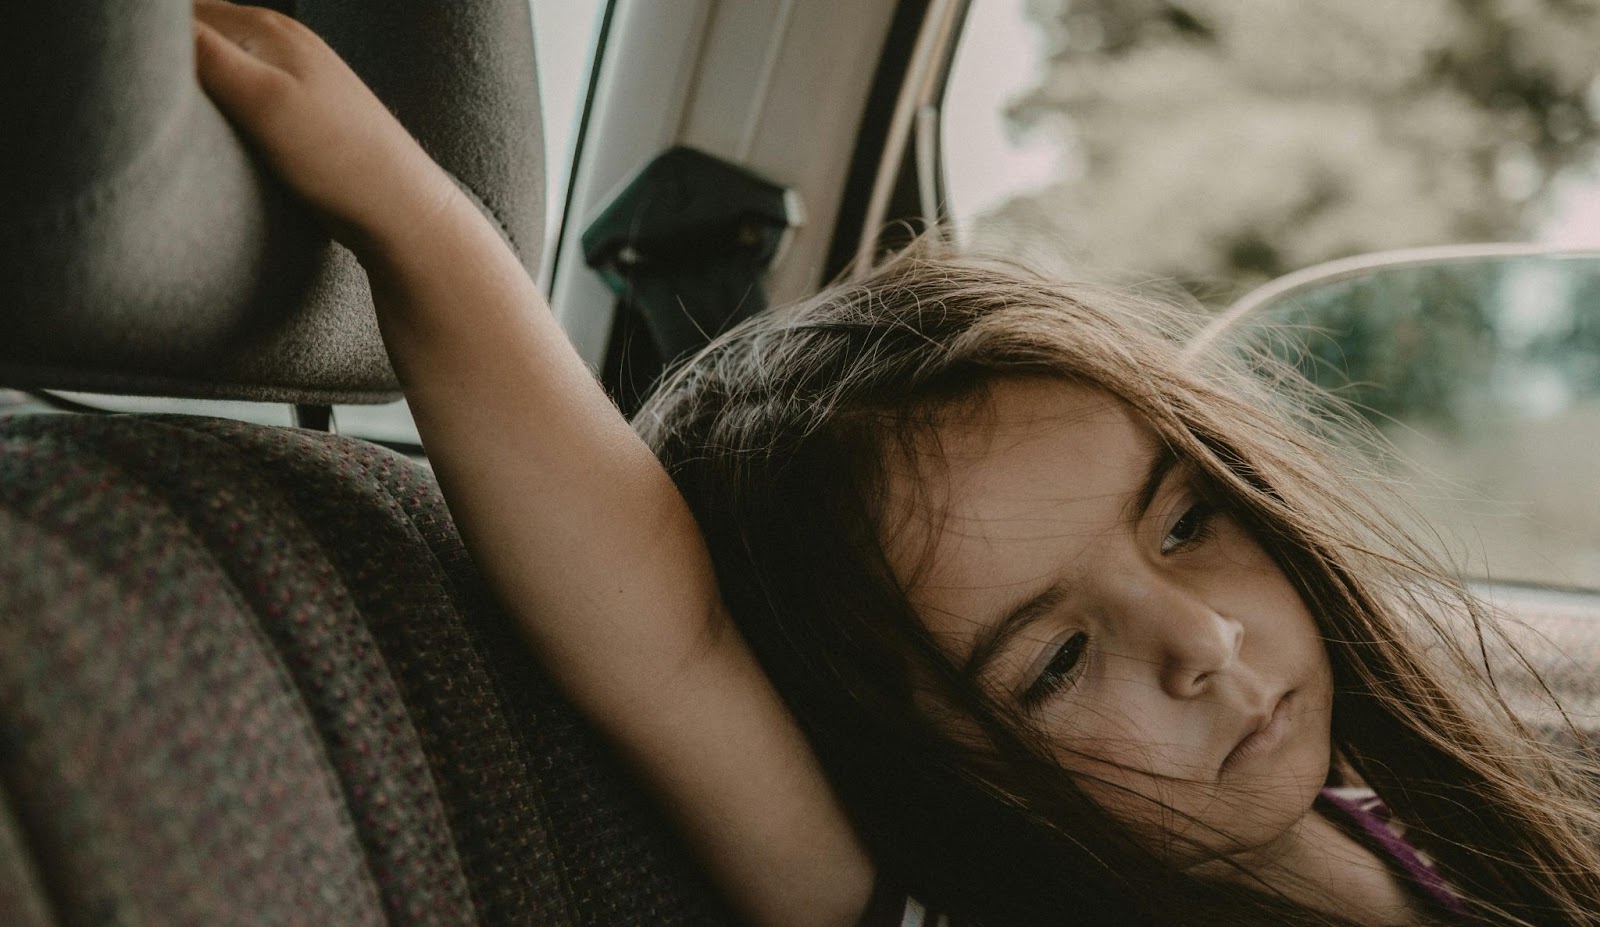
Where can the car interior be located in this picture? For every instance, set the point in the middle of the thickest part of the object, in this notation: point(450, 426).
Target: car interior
point(248, 673)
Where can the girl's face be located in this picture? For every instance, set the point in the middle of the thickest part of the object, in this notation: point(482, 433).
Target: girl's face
point(1076, 570)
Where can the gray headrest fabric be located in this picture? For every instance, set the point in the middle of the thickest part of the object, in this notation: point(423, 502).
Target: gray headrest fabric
point(142, 248)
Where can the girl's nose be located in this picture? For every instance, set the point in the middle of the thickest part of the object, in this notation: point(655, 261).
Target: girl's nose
point(1195, 644)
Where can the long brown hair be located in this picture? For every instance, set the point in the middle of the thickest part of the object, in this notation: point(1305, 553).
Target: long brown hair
point(777, 434)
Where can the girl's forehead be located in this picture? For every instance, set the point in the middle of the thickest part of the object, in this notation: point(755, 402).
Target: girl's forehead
point(1019, 412)
point(1038, 456)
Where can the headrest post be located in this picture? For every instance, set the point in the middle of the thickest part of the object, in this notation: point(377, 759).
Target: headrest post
point(314, 418)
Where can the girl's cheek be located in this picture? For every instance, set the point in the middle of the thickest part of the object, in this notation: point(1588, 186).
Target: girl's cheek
point(1161, 813)
point(1096, 737)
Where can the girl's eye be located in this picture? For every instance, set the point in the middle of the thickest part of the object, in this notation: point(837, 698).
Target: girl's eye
point(1191, 528)
point(1060, 672)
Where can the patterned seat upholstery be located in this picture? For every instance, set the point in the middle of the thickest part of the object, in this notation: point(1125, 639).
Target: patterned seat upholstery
point(248, 675)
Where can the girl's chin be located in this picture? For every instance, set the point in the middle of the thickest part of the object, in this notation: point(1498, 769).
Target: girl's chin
point(1204, 824)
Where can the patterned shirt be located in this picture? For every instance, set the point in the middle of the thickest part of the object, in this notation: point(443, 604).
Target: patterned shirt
point(1359, 812)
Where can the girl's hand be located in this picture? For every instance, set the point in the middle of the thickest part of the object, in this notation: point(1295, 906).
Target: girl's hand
point(318, 125)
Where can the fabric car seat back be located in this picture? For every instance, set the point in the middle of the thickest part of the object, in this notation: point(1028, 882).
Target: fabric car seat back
point(248, 675)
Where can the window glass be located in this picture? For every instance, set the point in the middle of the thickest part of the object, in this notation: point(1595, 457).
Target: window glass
point(565, 33)
point(1200, 148)
point(1484, 374)
point(1218, 144)
point(988, 157)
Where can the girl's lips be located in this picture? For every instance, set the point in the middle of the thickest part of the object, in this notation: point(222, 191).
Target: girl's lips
point(1263, 739)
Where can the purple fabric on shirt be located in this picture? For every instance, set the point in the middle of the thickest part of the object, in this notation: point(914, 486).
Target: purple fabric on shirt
point(1363, 816)
point(1367, 819)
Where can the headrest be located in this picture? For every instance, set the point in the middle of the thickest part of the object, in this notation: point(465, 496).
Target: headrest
point(142, 248)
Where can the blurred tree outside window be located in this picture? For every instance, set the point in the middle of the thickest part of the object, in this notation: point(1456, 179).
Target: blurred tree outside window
point(1222, 143)
point(1200, 148)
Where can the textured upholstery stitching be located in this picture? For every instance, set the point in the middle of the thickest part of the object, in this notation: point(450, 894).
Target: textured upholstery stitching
point(553, 828)
point(271, 480)
point(45, 432)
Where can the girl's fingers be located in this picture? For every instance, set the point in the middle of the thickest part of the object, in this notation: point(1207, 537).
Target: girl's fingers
point(267, 35)
point(218, 47)
point(230, 75)
point(311, 118)
point(236, 24)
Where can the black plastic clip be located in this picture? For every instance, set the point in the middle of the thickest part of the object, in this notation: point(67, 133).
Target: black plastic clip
point(685, 243)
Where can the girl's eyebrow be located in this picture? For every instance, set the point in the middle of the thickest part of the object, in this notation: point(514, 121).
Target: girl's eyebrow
point(994, 639)
point(1162, 459)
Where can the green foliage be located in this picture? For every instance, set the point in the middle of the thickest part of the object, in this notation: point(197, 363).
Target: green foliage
point(1415, 344)
point(1450, 347)
point(1220, 143)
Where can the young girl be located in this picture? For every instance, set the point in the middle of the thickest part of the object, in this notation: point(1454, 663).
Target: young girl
point(1070, 626)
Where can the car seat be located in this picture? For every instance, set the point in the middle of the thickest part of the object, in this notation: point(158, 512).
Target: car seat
point(248, 675)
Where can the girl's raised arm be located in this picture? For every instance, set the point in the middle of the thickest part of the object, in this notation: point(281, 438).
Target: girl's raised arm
point(576, 526)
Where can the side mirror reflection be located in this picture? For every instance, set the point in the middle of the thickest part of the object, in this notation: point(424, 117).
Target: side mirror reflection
point(1482, 365)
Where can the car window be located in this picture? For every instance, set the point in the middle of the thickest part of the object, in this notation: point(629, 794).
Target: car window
point(1218, 145)
point(1481, 366)
point(1201, 148)
point(565, 35)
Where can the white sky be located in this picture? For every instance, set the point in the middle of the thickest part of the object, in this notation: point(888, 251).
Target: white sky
point(999, 58)
point(564, 39)
point(1574, 219)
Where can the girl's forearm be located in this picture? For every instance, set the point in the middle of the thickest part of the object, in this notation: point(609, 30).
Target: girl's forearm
point(574, 524)
point(562, 505)
point(591, 548)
